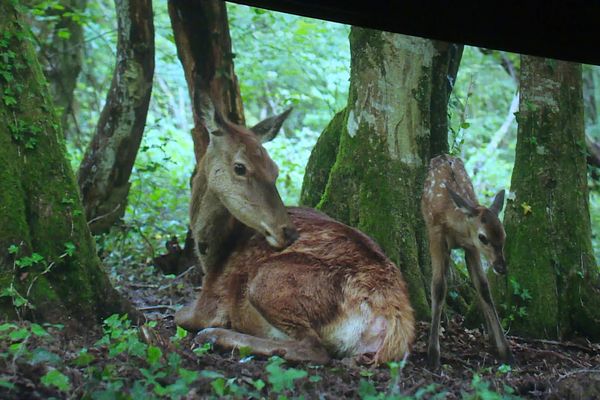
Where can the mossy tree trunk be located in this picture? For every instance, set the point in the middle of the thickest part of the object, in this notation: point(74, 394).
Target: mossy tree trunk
point(368, 166)
point(49, 269)
point(108, 161)
point(60, 40)
point(547, 219)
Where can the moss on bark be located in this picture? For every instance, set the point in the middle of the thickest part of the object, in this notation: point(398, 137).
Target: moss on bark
point(373, 178)
point(321, 161)
point(548, 246)
point(40, 208)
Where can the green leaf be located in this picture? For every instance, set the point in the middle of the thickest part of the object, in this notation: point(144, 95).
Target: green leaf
point(187, 375)
point(210, 374)
point(37, 330)
point(43, 356)
point(69, 248)
point(13, 249)
point(282, 379)
point(19, 334)
point(245, 351)
point(64, 33)
point(84, 358)
point(218, 386)
point(56, 378)
point(179, 334)
point(258, 384)
point(6, 326)
point(154, 355)
point(6, 384)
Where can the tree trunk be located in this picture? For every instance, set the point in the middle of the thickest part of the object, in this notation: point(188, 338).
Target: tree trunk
point(548, 248)
point(201, 31)
point(106, 167)
point(61, 53)
point(388, 132)
point(48, 264)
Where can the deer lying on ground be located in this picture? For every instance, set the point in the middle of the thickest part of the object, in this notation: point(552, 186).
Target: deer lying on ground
point(454, 219)
point(285, 280)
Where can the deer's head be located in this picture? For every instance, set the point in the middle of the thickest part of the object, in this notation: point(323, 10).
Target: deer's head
point(487, 231)
point(242, 175)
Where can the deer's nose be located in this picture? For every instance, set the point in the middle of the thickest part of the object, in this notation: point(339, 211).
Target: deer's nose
point(290, 234)
point(500, 267)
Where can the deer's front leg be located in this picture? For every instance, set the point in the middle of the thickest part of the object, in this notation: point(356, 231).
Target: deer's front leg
point(482, 286)
point(206, 311)
point(440, 259)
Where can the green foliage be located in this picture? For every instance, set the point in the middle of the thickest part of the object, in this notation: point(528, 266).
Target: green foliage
point(31, 264)
point(56, 378)
point(481, 391)
point(517, 308)
point(282, 379)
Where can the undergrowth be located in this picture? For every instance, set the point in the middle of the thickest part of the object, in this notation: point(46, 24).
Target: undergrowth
point(127, 363)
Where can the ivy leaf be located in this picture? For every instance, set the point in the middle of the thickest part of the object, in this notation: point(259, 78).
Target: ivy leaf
point(69, 248)
point(37, 330)
point(56, 378)
point(154, 354)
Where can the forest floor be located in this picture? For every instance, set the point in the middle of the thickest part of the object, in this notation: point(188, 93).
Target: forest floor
point(160, 361)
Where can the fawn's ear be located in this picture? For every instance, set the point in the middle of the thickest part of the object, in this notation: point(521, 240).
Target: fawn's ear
point(498, 203)
point(268, 128)
point(464, 205)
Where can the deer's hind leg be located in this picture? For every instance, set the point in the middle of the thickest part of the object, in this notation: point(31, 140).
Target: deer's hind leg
point(291, 350)
point(295, 300)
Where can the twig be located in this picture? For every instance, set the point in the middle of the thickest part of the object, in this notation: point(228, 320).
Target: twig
point(571, 345)
point(104, 215)
point(143, 285)
point(578, 371)
point(181, 275)
point(158, 307)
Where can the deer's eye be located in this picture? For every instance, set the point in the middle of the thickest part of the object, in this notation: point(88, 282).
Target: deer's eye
point(239, 169)
point(483, 239)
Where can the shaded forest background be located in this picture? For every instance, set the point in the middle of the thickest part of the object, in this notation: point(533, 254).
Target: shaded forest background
point(281, 60)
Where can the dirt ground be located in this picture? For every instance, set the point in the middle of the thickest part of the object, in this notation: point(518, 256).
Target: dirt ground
point(544, 370)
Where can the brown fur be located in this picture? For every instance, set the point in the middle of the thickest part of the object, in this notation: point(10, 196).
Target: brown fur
point(309, 286)
point(287, 281)
point(461, 225)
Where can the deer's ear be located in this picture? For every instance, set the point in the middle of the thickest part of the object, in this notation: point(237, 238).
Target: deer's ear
point(463, 204)
point(268, 128)
point(498, 203)
point(210, 116)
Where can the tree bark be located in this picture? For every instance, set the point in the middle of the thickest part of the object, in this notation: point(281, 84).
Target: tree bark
point(548, 248)
point(49, 269)
point(201, 31)
point(61, 54)
point(368, 166)
point(106, 167)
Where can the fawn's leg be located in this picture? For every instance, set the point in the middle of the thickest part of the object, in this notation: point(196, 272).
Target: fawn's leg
point(482, 286)
point(440, 260)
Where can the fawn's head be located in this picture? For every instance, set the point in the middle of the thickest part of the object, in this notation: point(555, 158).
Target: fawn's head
point(242, 175)
point(487, 231)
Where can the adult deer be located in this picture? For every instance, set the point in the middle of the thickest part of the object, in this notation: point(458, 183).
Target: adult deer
point(287, 281)
point(454, 219)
